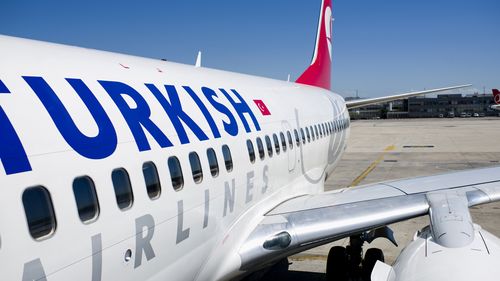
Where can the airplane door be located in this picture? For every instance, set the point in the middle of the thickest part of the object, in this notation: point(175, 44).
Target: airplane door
point(291, 152)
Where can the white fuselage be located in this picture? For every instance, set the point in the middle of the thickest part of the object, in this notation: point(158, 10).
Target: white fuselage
point(188, 234)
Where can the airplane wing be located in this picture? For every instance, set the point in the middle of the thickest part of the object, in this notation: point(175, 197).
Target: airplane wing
point(312, 220)
point(363, 102)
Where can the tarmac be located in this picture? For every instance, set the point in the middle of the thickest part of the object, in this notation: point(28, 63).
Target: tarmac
point(381, 150)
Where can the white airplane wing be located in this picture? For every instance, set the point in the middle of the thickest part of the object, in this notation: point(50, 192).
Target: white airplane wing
point(363, 102)
point(312, 220)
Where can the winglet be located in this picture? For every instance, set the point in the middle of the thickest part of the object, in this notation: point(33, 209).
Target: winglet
point(318, 73)
point(496, 96)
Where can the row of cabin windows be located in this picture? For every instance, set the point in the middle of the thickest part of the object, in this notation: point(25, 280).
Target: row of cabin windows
point(316, 131)
point(39, 210)
point(38, 204)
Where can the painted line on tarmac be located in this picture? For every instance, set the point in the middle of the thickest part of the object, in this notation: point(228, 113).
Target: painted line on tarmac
point(372, 166)
point(308, 257)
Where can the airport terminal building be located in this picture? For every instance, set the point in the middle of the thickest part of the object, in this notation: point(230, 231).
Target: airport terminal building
point(449, 105)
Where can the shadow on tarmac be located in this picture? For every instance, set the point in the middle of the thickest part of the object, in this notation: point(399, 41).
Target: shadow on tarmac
point(295, 276)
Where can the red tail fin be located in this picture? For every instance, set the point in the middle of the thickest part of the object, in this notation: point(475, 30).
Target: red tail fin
point(496, 96)
point(318, 73)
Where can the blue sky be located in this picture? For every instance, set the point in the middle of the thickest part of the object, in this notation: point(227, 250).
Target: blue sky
point(380, 47)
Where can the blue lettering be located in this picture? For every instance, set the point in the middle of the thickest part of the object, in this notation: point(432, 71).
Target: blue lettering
point(136, 118)
point(231, 127)
point(98, 147)
point(204, 110)
point(3, 88)
point(242, 107)
point(12, 152)
point(176, 114)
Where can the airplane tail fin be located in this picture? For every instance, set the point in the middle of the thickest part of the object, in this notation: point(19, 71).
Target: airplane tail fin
point(318, 73)
point(496, 96)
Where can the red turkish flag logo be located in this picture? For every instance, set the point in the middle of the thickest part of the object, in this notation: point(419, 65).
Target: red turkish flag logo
point(262, 107)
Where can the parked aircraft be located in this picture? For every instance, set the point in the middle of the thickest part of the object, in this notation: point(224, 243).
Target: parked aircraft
point(116, 167)
point(496, 98)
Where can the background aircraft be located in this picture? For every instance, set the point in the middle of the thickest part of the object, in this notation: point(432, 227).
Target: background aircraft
point(496, 97)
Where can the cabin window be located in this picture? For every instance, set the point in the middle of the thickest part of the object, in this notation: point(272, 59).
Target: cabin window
point(308, 135)
point(283, 141)
point(289, 137)
point(151, 179)
point(269, 146)
point(175, 173)
point(228, 160)
point(212, 162)
point(123, 188)
point(276, 144)
point(312, 132)
point(322, 129)
point(303, 135)
point(316, 131)
point(196, 170)
point(39, 212)
point(251, 151)
point(260, 147)
point(86, 199)
point(297, 139)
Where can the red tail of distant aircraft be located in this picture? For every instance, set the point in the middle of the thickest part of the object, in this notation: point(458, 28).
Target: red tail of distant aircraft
point(496, 97)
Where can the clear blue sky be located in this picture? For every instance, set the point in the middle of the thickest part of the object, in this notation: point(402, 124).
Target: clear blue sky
point(380, 47)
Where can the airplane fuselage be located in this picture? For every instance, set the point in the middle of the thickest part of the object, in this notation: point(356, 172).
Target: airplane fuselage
point(68, 113)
